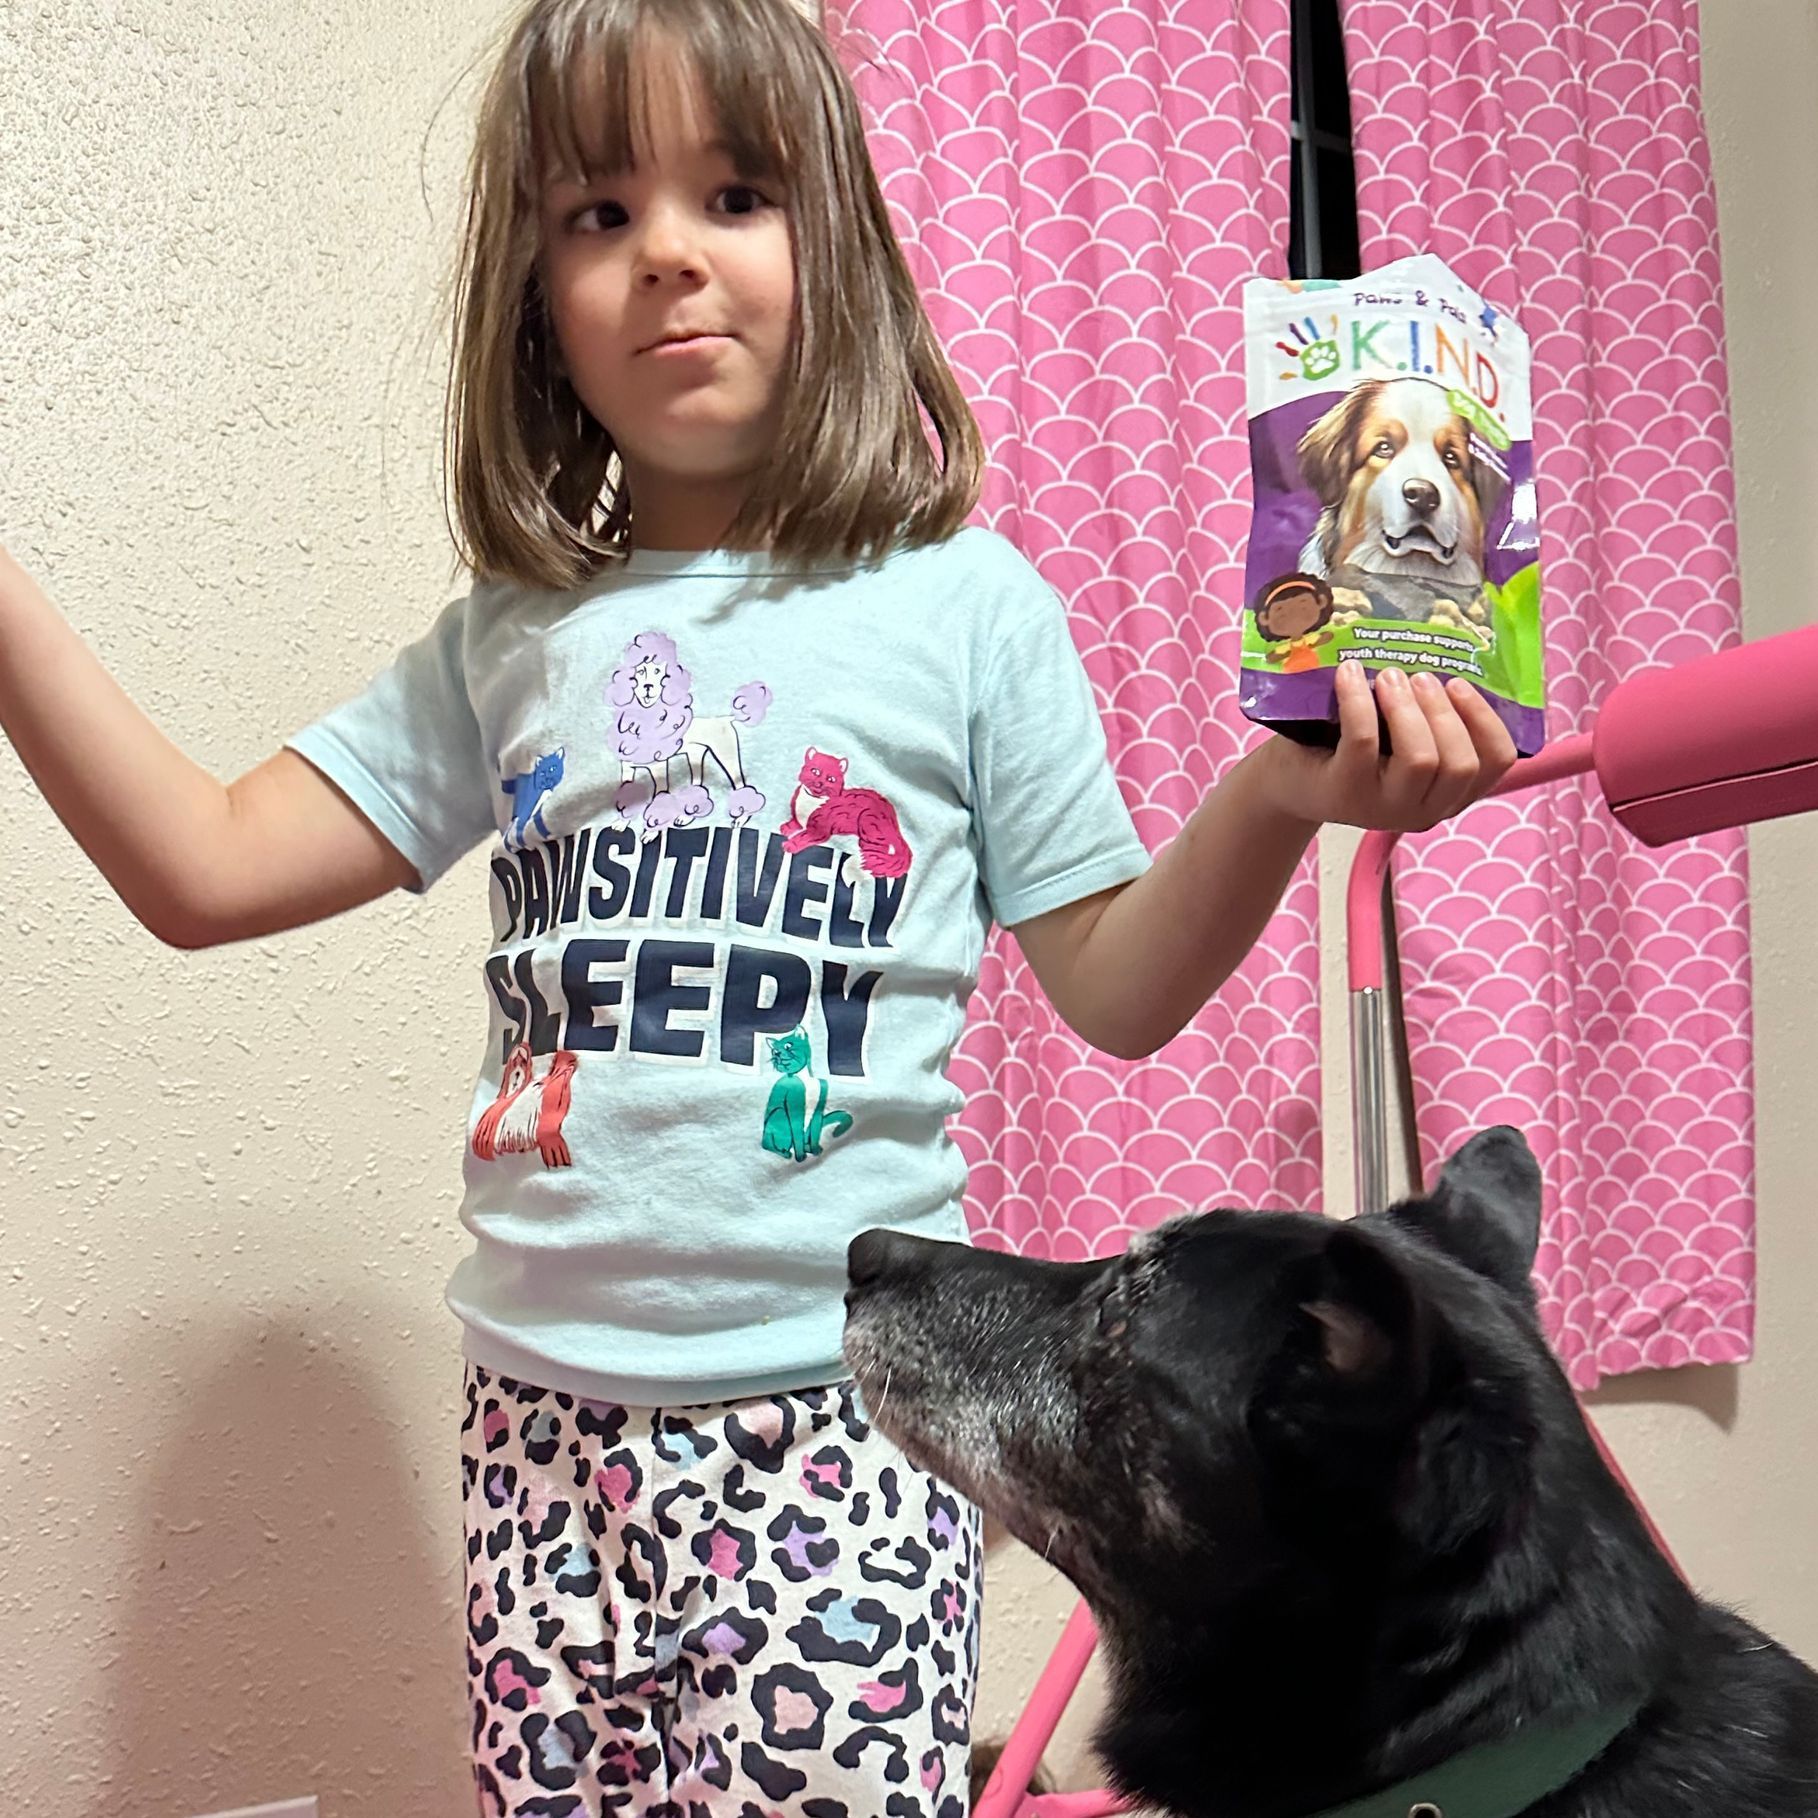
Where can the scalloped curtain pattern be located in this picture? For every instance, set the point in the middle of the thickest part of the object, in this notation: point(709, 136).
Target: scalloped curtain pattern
point(1081, 189)
point(1558, 975)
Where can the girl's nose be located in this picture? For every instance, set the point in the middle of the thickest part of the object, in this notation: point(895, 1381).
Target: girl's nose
point(666, 249)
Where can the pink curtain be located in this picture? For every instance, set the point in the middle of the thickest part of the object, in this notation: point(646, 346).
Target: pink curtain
point(1559, 976)
point(1082, 189)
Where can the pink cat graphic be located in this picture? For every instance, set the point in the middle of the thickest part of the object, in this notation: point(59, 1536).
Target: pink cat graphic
point(823, 808)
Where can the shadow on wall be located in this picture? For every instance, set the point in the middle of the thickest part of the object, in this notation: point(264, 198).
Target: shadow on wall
point(1713, 1390)
point(284, 1553)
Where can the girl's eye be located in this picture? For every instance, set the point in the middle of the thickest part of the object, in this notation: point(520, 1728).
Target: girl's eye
point(741, 199)
point(601, 217)
point(611, 214)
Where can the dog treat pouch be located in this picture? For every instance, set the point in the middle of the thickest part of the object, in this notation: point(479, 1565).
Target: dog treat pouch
point(1391, 446)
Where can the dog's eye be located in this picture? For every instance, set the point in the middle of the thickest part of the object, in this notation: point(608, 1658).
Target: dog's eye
point(1451, 458)
point(1113, 1315)
point(1383, 451)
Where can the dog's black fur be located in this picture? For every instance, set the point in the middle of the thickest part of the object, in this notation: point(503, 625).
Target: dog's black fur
point(1333, 1504)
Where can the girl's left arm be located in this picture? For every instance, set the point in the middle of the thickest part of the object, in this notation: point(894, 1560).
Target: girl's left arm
point(1129, 968)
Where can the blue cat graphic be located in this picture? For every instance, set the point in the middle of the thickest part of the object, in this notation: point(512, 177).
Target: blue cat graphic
point(528, 794)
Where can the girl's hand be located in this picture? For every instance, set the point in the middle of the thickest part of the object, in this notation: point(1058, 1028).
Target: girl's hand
point(1450, 748)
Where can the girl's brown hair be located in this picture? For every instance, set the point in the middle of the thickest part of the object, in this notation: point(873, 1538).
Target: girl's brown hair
point(537, 494)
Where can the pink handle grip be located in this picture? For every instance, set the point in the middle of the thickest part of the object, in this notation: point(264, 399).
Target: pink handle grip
point(1723, 742)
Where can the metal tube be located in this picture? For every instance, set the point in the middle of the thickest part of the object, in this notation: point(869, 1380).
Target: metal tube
point(1369, 1102)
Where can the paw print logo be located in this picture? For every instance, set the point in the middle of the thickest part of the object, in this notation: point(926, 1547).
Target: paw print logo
point(1319, 361)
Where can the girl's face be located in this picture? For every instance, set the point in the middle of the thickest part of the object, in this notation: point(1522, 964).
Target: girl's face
point(671, 289)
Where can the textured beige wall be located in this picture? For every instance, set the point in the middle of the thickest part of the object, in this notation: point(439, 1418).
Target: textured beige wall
point(229, 1571)
point(230, 1568)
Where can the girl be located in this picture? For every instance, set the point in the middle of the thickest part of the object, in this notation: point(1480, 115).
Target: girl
point(762, 740)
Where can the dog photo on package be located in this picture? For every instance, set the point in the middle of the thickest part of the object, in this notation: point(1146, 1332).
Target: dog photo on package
point(1392, 455)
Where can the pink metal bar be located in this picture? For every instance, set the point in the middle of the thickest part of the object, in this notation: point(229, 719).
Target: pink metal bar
point(1570, 756)
point(1006, 1793)
point(1099, 1803)
point(1641, 1508)
point(1363, 897)
point(1363, 910)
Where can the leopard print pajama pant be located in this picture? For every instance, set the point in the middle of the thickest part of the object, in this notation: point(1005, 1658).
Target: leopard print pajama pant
point(755, 1609)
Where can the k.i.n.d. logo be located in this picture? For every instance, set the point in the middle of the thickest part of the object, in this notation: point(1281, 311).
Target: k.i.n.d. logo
point(1361, 347)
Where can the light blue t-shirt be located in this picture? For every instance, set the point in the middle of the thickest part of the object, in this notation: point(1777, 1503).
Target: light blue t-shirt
point(750, 823)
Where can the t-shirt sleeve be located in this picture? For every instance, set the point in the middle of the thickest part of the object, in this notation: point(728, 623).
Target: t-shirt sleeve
point(1051, 823)
point(408, 752)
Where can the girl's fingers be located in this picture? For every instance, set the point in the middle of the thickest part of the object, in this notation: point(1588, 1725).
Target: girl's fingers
point(1449, 748)
point(1355, 760)
point(1409, 775)
point(1456, 778)
point(1494, 746)
point(1356, 706)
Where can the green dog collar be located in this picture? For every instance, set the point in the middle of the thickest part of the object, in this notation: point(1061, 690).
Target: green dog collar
point(1499, 1779)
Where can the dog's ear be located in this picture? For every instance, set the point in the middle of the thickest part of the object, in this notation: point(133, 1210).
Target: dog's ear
point(1334, 1403)
point(1362, 1315)
point(1485, 1208)
point(1326, 451)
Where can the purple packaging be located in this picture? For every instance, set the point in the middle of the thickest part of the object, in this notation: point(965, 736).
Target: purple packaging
point(1391, 450)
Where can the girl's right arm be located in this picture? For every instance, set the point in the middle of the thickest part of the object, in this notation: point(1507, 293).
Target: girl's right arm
point(198, 862)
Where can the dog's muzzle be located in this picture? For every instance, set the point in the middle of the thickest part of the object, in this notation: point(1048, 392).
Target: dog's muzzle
point(876, 1257)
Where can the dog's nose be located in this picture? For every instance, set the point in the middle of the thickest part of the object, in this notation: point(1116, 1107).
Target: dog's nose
point(1422, 495)
point(874, 1254)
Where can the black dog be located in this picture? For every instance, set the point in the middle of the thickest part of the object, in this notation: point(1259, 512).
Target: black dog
point(1338, 1516)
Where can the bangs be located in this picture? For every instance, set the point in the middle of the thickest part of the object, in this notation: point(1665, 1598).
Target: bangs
point(594, 73)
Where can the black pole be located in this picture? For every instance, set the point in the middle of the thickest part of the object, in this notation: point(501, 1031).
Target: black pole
point(1300, 27)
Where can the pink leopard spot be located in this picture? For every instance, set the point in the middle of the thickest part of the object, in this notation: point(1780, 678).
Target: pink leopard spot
point(881, 1699)
point(764, 1422)
point(795, 1713)
point(814, 1474)
point(616, 1487)
point(508, 1680)
point(723, 1557)
point(497, 1424)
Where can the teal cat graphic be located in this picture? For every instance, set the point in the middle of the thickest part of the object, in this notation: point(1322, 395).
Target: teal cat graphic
point(790, 1128)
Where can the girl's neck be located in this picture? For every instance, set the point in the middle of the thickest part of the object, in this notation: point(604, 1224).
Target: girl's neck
point(687, 516)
